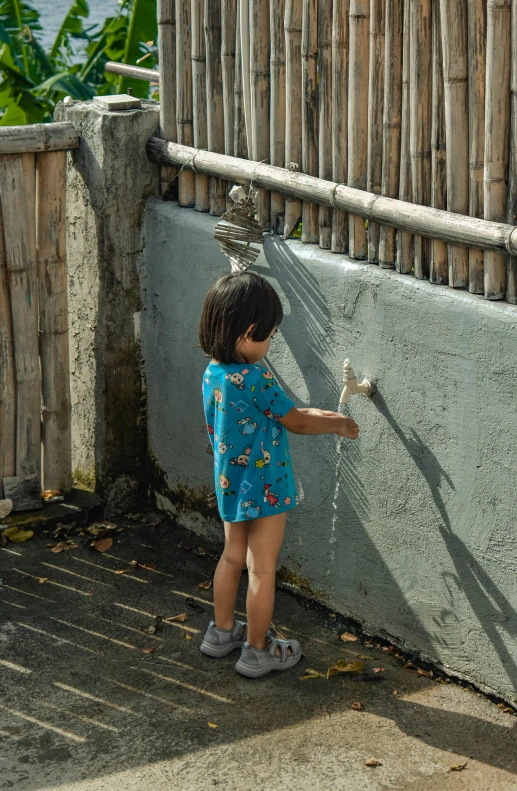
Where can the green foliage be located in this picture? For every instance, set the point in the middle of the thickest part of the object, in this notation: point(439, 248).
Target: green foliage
point(33, 80)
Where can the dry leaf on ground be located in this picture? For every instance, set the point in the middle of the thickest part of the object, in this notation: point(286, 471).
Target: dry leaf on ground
point(42, 579)
point(310, 673)
point(457, 767)
point(372, 762)
point(357, 706)
point(212, 725)
point(49, 493)
point(206, 585)
point(177, 618)
point(148, 650)
point(125, 571)
point(365, 656)
point(342, 666)
point(347, 637)
point(188, 637)
point(102, 544)
point(426, 673)
point(61, 547)
point(378, 669)
point(17, 535)
point(410, 666)
point(278, 632)
point(504, 708)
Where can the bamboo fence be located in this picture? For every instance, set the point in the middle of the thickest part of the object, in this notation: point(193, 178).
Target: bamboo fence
point(411, 100)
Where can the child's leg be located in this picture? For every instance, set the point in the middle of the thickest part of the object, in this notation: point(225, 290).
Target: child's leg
point(265, 538)
point(228, 573)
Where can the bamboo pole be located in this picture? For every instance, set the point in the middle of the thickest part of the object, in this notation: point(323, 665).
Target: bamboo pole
point(391, 122)
point(278, 91)
point(477, 65)
point(359, 18)
point(240, 146)
point(439, 266)
point(375, 115)
point(325, 114)
point(7, 379)
point(339, 116)
point(497, 122)
point(214, 94)
point(228, 23)
point(420, 119)
point(199, 97)
point(53, 314)
point(511, 290)
point(19, 224)
point(28, 139)
point(404, 259)
point(293, 104)
point(167, 80)
point(455, 70)
point(421, 220)
point(310, 212)
point(134, 72)
point(260, 97)
point(186, 184)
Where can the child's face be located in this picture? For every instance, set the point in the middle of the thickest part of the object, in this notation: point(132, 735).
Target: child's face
point(252, 351)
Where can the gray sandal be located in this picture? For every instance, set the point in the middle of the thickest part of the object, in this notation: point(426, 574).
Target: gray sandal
point(221, 642)
point(254, 663)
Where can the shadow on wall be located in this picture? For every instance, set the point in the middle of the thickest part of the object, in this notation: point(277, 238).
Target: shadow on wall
point(492, 609)
point(309, 334)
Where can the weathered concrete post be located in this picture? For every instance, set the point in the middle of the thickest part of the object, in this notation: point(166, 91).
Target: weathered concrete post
point(108, 181)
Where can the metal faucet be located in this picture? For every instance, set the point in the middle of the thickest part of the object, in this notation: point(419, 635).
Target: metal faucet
point(352, 386)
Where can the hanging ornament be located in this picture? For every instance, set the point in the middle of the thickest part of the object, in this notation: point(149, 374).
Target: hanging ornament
point(238, 231)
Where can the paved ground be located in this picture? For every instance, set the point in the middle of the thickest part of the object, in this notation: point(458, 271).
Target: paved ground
point(84, 708)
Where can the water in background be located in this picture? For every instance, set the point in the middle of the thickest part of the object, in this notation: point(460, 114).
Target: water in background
point(53, 12)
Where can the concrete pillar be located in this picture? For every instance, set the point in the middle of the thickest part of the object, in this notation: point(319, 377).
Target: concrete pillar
point(108, 181)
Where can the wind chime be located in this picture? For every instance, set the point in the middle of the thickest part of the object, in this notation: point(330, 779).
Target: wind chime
point(238, 232)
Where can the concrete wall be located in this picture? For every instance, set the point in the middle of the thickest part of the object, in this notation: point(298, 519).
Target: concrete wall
point(412, 528)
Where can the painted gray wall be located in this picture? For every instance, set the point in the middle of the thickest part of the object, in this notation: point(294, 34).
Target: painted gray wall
point(411, 528)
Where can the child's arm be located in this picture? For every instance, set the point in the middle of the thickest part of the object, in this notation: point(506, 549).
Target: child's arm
point(318, 421)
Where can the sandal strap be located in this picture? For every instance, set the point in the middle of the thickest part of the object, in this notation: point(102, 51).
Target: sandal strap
point(283, 645)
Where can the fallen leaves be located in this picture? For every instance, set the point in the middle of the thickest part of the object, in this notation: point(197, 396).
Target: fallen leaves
point(357, 706)
point(457, 767)
point(17, 535)
point(426, 673)
point(102, 544)
point(62, 546)
point(373, 762)
point(148, 650)
point(41, 580)
point(342, 666)
point(505, 709)
point(206, 585)
point(365, 656)
point(188, 637)
point(310, 673)
point(347, 637)
point(181, 618)
point(212, 725)
point(410, 666)
point(378, 669)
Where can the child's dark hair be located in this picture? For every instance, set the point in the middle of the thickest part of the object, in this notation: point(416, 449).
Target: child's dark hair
point(233, 304)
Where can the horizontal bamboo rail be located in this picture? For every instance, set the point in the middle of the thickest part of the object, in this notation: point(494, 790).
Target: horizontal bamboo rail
point(60, 136)
point(416, 219)
point(135, 72)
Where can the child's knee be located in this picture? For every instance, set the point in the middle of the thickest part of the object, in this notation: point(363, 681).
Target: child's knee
point(235, 559)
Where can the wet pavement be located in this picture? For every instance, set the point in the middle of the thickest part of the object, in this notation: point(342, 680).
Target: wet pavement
point(96, 694)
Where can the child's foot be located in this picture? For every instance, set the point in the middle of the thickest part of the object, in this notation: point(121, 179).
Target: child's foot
point(278, 655)
point(221, 642)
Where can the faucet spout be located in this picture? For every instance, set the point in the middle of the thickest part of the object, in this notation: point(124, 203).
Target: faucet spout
point(352, 386)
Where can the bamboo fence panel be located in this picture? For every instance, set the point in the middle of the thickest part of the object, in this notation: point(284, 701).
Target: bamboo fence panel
point(511, 290)
point(359, 18)
point(186, 184)
point(228, 30)
point(199, 97)
point(167, 79)
point(439, 266)
point(7, 379)
point(260, 78)
point(214, 93)
point(455, 72)
point(53, 315)
point(240, 146)
point(497, 122)
point(310, 213)
point(404, 259)
point(420, 120)
point(375, 116)
point(340, 23)
point(325, 114)
point(391, 122)
point(293, 104)
point(20, 257)
point(477, 65)
point(277, 131)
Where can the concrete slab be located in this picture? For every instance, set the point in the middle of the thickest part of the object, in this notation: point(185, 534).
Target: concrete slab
point(83, 707)
point(121, 102)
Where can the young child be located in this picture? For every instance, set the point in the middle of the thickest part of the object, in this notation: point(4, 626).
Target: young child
point(248, 416)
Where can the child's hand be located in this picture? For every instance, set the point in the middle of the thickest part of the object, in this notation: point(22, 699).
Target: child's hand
point(347, 428)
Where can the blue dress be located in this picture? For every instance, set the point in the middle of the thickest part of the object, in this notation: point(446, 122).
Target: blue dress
point(253, 474)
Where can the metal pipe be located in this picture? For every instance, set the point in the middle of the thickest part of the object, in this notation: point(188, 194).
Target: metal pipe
point(135, 72)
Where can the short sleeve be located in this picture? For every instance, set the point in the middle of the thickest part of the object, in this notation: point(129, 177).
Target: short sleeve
point(268, 396)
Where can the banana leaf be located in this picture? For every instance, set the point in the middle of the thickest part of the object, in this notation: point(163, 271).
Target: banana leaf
point(71, 28)
point(142, 28)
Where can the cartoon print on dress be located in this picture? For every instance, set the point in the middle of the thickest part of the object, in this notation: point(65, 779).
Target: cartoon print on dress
point(270, 497)
point(225, 484)
point(251, 509)
point(271, 381)
point(218, 400)
point(276, 432)
point(243, 459)
point(247, 426)
point(223, 446)
point(245, 487)
point(240, 406)
point(237, 378)
point(285, 462)
point(210, 429)
point(268, 413)
point(266, 461)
